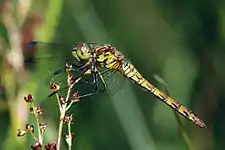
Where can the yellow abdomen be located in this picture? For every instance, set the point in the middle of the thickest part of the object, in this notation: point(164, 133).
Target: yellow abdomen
point(130, 72)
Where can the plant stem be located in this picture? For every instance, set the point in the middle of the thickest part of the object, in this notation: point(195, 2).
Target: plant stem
point(35, 138)
point(40, 137)
point(70, 136)
point(62, 115)
point(61, 125)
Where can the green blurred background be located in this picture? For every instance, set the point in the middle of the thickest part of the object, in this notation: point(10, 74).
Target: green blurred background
point(181, 41)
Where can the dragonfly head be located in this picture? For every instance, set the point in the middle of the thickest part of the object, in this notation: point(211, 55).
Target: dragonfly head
point(82, 52)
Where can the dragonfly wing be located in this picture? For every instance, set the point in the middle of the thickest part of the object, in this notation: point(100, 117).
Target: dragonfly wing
point(47, 59)
point(85, 86)
point(48, 56)
point(108, 82)
point(112, 79)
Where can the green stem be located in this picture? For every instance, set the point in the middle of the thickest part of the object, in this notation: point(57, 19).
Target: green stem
point(35, 138)
point(61, 126)
point(70, 136)
point(59, 103)
point(70, 104)
point(40, 135)
point(62, 115)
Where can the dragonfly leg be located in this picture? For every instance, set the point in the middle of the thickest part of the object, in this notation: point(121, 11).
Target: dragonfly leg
point(95, 84)
point(79, 68)
point(95, 80)
point(94, 73)
point(102, 79)
point(73, 68)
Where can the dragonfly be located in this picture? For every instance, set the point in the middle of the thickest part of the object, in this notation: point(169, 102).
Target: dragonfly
point(101, 59)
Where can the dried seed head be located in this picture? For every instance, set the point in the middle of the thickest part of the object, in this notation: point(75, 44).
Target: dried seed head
point(31, 110)
point(43, 127)
point(68, 119)
point(54, 87)
point(29, 98)
point(38, 110)
point(75, 97)
point(71, 80)
point(67, 136)
point(37, 146)
point(21, 132)
point(29, 128)
point(50, 146)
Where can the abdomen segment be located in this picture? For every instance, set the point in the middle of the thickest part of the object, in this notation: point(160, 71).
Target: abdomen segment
point(130, 72)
